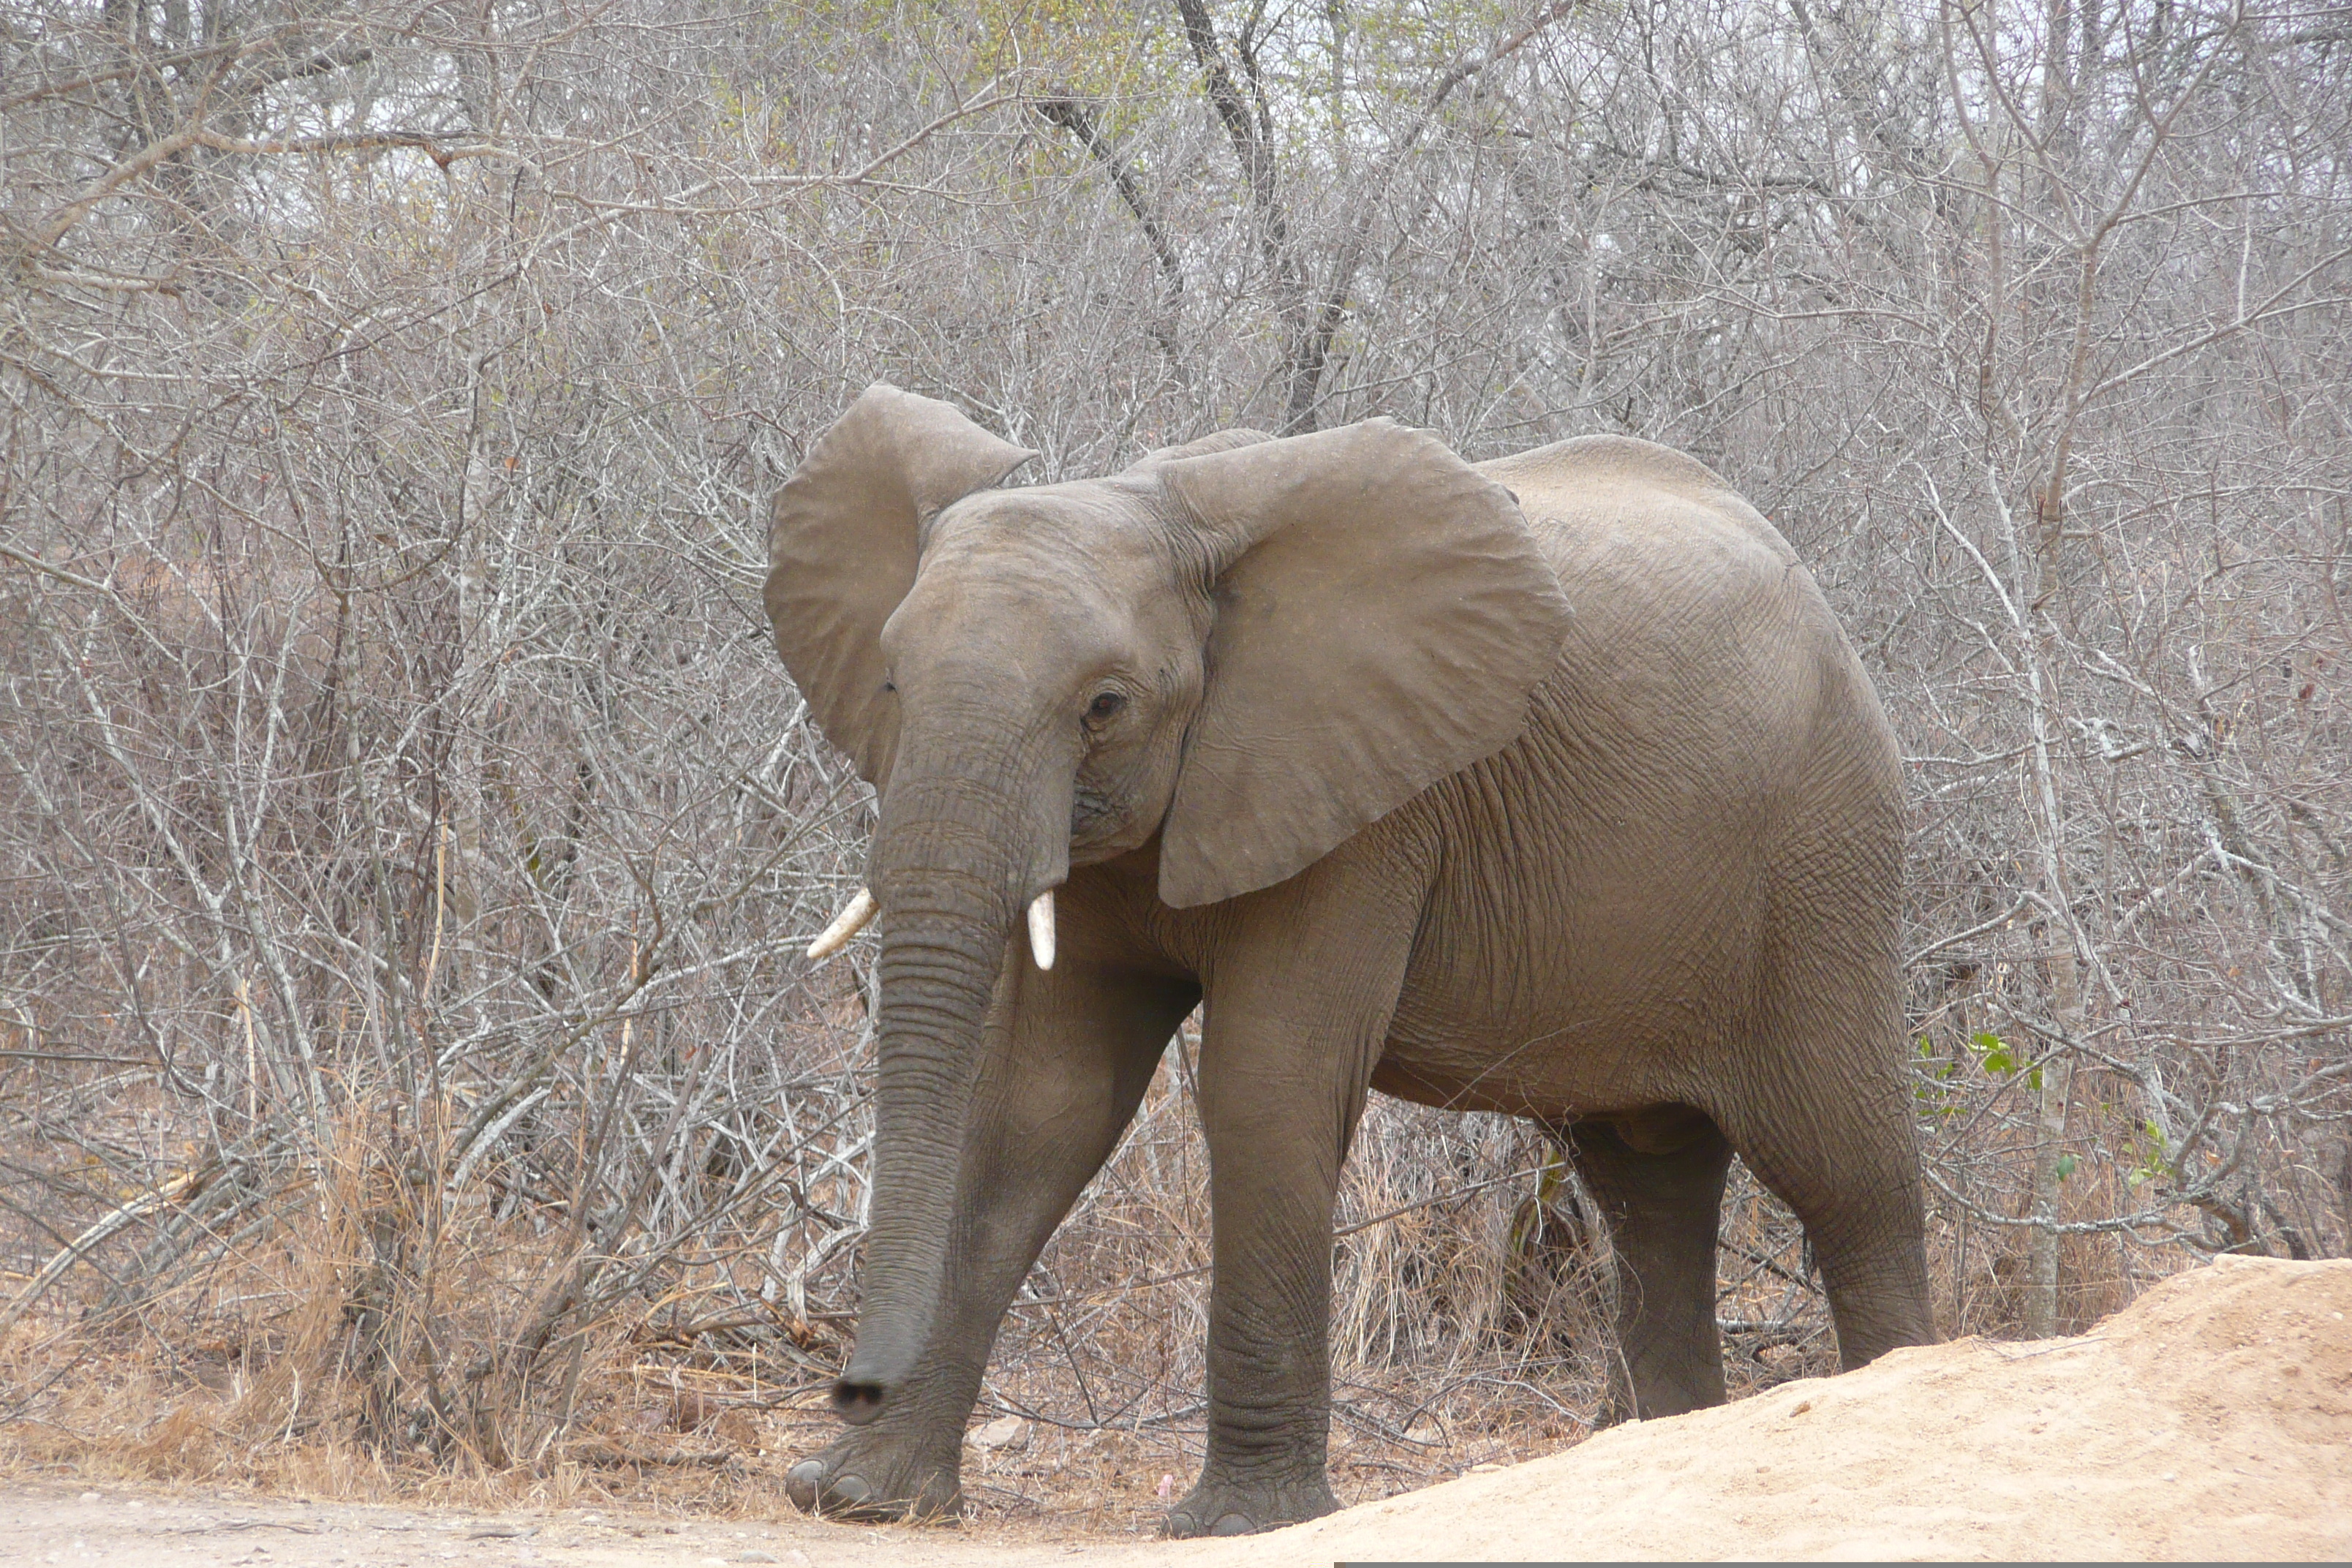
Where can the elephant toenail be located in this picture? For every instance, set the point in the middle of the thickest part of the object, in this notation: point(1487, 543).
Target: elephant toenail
point(1233, 1524)
point(801, 1484)
point(850, 1491)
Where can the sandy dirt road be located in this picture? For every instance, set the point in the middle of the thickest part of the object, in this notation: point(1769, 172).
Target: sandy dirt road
point(2210, 1419)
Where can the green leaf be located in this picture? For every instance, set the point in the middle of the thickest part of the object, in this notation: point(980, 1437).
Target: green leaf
point(1993, 1051)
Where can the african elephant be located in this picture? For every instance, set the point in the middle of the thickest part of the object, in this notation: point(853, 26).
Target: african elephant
point(1545, 785)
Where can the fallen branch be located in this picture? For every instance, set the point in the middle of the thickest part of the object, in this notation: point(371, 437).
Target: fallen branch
point(187, 1185)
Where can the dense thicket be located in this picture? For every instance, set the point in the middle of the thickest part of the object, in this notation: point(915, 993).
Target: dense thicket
point(407, 835)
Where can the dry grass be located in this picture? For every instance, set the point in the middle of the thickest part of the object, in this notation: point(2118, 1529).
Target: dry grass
point(1469, 1327)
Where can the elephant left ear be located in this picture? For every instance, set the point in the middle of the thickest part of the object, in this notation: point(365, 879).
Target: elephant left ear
point(1384, 616)
point(843, 539)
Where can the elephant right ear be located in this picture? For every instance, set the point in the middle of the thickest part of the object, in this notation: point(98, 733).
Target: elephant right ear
point(843, 543)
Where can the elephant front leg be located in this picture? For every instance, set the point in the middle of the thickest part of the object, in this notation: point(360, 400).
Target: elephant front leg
point(1269, 1346)
point(1066, 1057)
point(1269, 1324)
point(1285, 1059)
point(907, 1465)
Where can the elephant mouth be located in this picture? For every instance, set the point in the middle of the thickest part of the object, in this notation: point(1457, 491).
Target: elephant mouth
point(1090, 807)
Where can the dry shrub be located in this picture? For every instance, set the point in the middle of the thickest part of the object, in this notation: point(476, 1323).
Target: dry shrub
point(362, 1337)
point(360, 1344)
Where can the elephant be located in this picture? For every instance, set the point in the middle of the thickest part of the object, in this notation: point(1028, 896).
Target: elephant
point(1547, 785)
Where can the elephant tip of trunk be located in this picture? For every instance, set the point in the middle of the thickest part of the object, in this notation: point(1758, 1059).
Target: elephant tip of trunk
point(857, 1403)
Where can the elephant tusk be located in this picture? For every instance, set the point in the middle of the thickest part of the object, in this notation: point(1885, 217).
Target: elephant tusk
point(1041, 929)
point(846, 924)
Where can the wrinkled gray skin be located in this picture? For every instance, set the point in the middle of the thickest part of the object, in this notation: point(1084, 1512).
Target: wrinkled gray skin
point(1548, 787)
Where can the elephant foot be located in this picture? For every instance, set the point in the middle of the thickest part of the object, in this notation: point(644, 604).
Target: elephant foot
point(1219, 1507)
point(860, 1478)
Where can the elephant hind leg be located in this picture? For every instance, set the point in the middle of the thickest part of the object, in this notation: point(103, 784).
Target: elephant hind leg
point(1658, 1177)
point(1851, 1174)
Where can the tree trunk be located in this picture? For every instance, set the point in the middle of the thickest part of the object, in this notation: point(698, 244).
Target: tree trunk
point(2048, 1148)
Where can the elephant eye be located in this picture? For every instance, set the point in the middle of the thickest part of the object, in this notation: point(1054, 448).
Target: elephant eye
point(1105, 704)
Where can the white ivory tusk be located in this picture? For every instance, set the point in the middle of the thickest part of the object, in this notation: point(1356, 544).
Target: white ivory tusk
point(1041, 929)
point(846, 924)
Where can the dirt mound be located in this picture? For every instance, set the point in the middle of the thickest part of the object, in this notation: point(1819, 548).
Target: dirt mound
point(2211, 1419)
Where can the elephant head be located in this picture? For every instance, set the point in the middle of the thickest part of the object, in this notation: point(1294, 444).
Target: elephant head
point(1247, 648)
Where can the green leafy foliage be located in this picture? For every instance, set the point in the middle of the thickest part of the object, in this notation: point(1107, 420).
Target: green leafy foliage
point(2151, 1156)
point(2001, 1059)
point(1934, 1090)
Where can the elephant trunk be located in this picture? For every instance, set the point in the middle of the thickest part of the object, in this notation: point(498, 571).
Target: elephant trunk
point(955, 865)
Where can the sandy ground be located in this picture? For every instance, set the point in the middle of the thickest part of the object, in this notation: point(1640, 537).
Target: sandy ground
point(2210, 1419)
